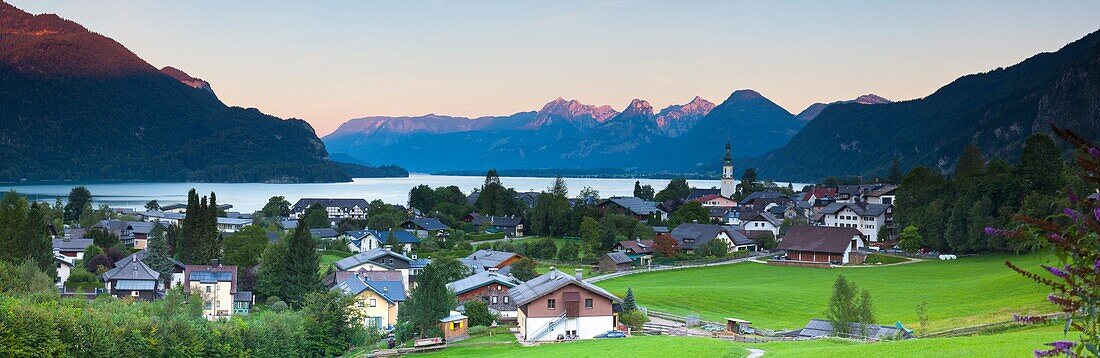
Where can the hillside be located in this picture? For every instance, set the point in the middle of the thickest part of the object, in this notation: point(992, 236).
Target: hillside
point(80, 106)
point(995, 110)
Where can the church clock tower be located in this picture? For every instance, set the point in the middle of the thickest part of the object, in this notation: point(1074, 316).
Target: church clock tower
point(727, 174)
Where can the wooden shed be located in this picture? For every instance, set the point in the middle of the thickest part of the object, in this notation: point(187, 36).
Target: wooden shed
point(454, 327)
point(615, 262)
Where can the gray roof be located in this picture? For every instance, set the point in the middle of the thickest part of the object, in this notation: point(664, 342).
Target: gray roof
point(141, 227)
point(136, 285)
point(289, 224)
point(487, 258)
point(131, 270)
point(71, 244)
point(392, 291)
point(739, 236)
point(637, 206)
point(495, 220)
point(141, 257)
point(429, 224)
point(860, 208)
point(701, 192)
point(699, 233)
point(324, 232)
point(402, 236)
point(367, 256)
point(550, 282)
point(822, 328)
point(761, 216)
point(762, 195)
point(346, 204)
point(619, 257)
point(481, 279)
point(232, 221)
point(242, 296)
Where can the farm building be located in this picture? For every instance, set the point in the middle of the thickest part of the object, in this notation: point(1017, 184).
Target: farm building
point(821, 244)
point(614, 262)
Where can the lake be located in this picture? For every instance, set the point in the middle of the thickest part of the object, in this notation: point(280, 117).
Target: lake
point(249, 197)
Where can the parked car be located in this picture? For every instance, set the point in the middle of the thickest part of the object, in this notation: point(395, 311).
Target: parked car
point(612, 334)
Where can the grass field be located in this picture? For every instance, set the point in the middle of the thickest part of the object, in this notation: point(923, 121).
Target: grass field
point(876, 259)
point(1019, 343)
point(328, 257)
point(655, 346)
point(959, 293)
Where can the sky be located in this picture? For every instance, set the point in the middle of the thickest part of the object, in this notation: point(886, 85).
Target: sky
point(330, 61)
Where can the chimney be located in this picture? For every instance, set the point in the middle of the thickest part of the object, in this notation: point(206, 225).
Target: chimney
point(493, 270)
point(579, 274)
point(214, 263)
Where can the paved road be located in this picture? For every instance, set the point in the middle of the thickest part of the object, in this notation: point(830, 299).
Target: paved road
point(755, 353)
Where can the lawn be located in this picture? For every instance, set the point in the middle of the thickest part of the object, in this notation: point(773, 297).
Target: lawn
point(959, 293)
point(543, 267)
point(651, 346)
point(328, 257)
point(1019, 343)
point(876, 259)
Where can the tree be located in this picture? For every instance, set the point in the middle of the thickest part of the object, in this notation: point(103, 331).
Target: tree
point(330, 323)
point(450, 195)
point(23, 233)
point(569, 251)
point(450, 269)
point(866, 312)
point(152, 205)
point(87, 216)
point(156, 256)
point(766, 241)
point(423, 198)
point(243, 248)
point(589, 232)
point(895, 172)
point(922, 318)
point(102, 238)
point(691, 212)
point(1039, 164)
point(277, 206)
point(271, 277)
point(676, 189)
point(643, 191)
point(478, 313)
point(713, 248)
point(628, 302)
point(748, 183)
point(301, 264)
point(841, 311)
point(524, 269)
point(666, 246)
point(910, 239)
point(490, 201)
point(78, 198)
point(430, 300)
point(970, 167)
point(589, 195)
point(315, 217)
point(550, 215)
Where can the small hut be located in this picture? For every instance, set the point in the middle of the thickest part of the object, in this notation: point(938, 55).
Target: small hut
point(454, 327)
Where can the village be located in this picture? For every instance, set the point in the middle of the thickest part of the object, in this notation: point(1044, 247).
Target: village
point(505, 278)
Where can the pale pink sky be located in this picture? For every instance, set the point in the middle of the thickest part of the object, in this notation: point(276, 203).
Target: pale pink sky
point(330, 61)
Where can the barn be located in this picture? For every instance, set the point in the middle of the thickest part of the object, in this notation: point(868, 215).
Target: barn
point(821, 244)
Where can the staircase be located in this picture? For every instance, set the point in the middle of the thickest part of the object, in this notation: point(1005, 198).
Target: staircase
point(549, 327)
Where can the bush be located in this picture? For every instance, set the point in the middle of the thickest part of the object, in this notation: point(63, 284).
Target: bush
point(478, 330)
point(271, 300)
point(633, 319)
point(428, 246)
point(478, 312)
point(279, 306)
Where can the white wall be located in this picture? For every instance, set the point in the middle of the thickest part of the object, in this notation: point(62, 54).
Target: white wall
point(586, 327)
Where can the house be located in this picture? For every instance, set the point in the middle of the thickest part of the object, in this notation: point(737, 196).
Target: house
point(72, 248)
point(243, 302)
point(378, 302)
point(868, 218)
point(454, 327)
point(324, 234)
point(821, 244)
point(362, 240)
point(692, 235)
point(883, 194)
point(822, 328)
point(177, 268)
point(139, 233)
point(424, 227)
point(614, 262)
point(334, 278)
point(404, 240)
point(289, 224)
point(715, 200)
point(216, 286)
point(166, 218)
point(529, 198)
point(762, 221)
point(133, 234)
point(231, 224)
point(755, 196)
point(132, 278)
point(337, 209)
point(64, 268)
point(556, 305)
point(489, 286)
point(511, 226)
point(639, 208)
point(383, 259)
point(719, 213)
point(818, 193)
point(701, 192)
point(640, 251)
point(484, 260)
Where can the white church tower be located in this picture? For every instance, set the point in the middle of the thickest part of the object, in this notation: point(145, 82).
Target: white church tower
point(728, 188)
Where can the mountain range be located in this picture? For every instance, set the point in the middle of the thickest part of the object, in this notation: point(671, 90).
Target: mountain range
point(78, 105)
point(996, 111)
point(568, 134)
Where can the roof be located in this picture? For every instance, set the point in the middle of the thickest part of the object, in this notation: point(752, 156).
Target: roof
point(762, 216)
point(705, 198)
point(481, 279)
point(391, 291)
point(828, 239)
point(501, 221)
point(818, 193)
point(636, 206)
point(141, 227)
point(550, 282)
point(660, 229)
point(324, 232)
point(141, 257)
point(739, 236)
point(359, 234)
point(157, 214)
point(762, 195)
point(338, 276)
point(71, 244)
point(699, 233)
point(885, 189)
point(367, 256)
point(289, 224)
point(428, 224)
point(718, 211)
point(618, 257)
point(207, 274)
point(453, 316)
point(242, 296)
point(861, 208)
point(821, 328)
point(131, 270)
point(345, 204)
point(638, 246)
point(700, 192)
point(136, 285)
point(487, 258)
point(402, 236)
point(232, 221)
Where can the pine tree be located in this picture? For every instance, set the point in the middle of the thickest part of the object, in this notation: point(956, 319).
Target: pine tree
point(628, 302)
point(430, 301)
point(39, 246)
point(212, 246)
point(271, 277)
point(157, 257)
point(302, 261)
point(895, 172)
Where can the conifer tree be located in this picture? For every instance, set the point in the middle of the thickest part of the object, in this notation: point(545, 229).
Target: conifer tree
point(271, 277)
point(302, 261)
point(156, 256)
point(628, 302)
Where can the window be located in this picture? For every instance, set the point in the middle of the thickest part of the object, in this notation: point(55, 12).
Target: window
point(494, 299)
point(587, 303)
point(373, 302)
point(505, 299)
point(359, 304)
point(391, 261)
point(456, 326)
point(550, 304)
point(134, 293)
point(498, 287)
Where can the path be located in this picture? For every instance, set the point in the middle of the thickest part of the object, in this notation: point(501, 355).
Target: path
point(910, 261)
point(755, 353)
point(609, 276)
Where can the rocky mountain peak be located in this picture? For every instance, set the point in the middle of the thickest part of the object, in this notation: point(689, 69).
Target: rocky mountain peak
point(638, 107)
point(745, 94)
point(870, 98)
point(186, 79)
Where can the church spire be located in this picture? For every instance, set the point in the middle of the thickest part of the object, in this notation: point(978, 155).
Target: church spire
point(728, 159)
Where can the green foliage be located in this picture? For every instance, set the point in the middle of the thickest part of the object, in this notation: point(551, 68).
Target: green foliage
point(524, 269)
point(616, 227)
point(79, 197)
point(430, 301)
point(766, 242)
point(24, 234)
point(713, 248)
point(676, 189)
point(910, 239)
point(845, 309)
point(25, 278)
point(569, 251)
point(315, 217)
point(690, 212)
point(643, 191)
point(243, 248)
point(478, 313)
point(629, 304)
point(551, 214)
point(87, 216)
point(330, 323)
point(922, 318)
point(748, 183)
point(490, 201)
point(102, 238)
point(633, 319)
point(422, 197)
point(300, 265)
point(152, 205)
point(666, 246)
point(199, 238)
point(271, 277)
point(157, 256)
point(277, 206)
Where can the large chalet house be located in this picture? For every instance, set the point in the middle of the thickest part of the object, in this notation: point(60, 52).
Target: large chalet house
point(640, 209)
point(511, 226)
point(693, 235)
point(384, 259)
point(868, 218)
point(337, 209)
point(822, 244)
point(485, 260)
point(216, 286)
point(132, 278)
point(716, 200)
point(560, 306)
point(178, 268)
point(425, 227)
point(377, 301)
point(490, 286)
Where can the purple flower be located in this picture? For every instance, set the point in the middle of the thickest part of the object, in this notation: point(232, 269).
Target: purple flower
point(1095, 152)
point(1072, 196)
point(1056, 271)
point(1027, 319)
point(1096, 214)
point(1055, 237)
point(1071, 213)
point(1062, 345)
point(1096, 265)
point(989, 230)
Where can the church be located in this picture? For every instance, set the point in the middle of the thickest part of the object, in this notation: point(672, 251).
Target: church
point(728, 188)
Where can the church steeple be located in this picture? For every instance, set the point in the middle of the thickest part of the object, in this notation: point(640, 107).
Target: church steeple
point(728, 188)
point(729, 159)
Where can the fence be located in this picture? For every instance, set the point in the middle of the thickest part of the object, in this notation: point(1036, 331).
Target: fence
point(679, 265)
